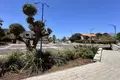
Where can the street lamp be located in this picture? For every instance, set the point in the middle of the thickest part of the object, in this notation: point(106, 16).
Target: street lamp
point(91, 30)
point(114, 27)
point(43, 4)
point(91, 36)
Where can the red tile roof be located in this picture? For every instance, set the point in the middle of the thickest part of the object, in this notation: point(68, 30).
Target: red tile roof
point(89, 35)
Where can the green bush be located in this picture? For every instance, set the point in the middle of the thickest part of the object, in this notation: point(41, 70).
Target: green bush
point(32, 62)
point(85, 51)
point(11, 63)
point(94, 49)
point(84, 41)
point(68, 54)
point(106, 42)
point(14, 61)
point(60, 58)
point(97, 42)
point(47, 60)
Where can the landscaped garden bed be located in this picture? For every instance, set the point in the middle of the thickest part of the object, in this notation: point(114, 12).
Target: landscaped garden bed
point(21, 65)
point(70, 64)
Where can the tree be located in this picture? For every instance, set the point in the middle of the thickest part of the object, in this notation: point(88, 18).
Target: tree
point(16, 29)
point(107, 37)
point(1, 22)
point(38, 27)
point(54, 38)
point(75, 37)
point(118, 36)
point(50, 39)
point(2, 33)
point(98, 35)
point(64, 39)
point(106, 34)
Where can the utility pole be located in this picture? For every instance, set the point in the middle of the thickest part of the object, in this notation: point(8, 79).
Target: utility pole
point(43, 4)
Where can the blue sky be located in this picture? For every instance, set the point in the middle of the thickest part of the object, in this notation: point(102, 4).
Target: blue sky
point(67, 16)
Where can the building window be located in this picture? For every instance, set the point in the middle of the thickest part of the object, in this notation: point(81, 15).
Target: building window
point(27, 34)
point(33, 34)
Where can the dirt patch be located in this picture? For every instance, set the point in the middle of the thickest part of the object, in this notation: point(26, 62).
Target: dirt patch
point(70, 64)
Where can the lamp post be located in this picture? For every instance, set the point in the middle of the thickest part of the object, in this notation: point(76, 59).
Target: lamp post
point(114, 28)
point(43, 4)
point(91, 37)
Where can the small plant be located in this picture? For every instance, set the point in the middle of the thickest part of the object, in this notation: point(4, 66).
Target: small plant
point(69, 55)
point(37, 61)
point(33, 63)
point(11, 63)
point(85, 51)
point(59, 58)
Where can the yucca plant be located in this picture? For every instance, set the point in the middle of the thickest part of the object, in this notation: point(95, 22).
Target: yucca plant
point(11, 63)
point(47, 60)
point(2, 68)
point(14, 61)
point(33, 63)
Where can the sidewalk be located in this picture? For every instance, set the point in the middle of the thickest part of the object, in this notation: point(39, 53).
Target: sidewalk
point(108, 69)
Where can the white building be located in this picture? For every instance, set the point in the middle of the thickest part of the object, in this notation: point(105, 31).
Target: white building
point(28, 35)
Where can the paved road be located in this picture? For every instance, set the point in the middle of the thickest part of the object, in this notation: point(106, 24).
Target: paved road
point(13, 47)
point(22, 47)
point(108, 69)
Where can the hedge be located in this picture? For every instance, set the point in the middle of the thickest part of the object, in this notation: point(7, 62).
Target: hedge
point(96, 42)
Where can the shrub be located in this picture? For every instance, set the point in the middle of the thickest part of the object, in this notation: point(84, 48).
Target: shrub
point(14, 61)
point(84, 41)
point(85, 51)
point(69, 55)
point(47, 60)
point(106, 42)
point(59, 58)
point(97, 42)
point(32, 61)
point(11, 62)
point(36, 61)
point(94, 49)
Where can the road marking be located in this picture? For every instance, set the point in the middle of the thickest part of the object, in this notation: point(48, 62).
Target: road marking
point(6, 47)
point(10, 48)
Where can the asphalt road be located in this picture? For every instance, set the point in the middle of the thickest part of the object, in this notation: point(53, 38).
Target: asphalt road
point(15, 47)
